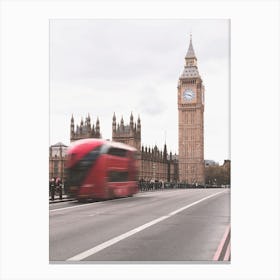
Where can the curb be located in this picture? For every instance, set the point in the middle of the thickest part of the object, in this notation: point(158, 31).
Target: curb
point(61, 200)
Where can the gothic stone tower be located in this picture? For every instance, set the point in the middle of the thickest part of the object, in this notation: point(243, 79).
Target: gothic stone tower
point(128, 134)
point(191, 121)
point(85, 130)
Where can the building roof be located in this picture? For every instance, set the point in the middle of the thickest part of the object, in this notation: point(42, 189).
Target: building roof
point(59, 144)
point(190, 72)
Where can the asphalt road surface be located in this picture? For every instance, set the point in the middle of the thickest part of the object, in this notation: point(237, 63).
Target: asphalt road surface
point(161, 226)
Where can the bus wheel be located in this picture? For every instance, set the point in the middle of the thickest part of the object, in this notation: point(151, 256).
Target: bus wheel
point(82, 200)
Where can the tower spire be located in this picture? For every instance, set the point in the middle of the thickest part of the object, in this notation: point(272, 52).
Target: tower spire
point(131, 120)
point(190, 68)
point(190, 53)
point(97, 128)
point(114, 124)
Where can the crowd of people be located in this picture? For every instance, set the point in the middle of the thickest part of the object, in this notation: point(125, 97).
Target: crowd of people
point(55, 187)
point(148, 185)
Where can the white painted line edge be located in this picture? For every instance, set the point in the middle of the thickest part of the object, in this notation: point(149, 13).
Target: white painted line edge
point(75, 206)
point(116, 239)
point(102, 202)
point(89, 204)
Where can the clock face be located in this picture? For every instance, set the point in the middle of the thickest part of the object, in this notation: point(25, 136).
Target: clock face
point(188, 95)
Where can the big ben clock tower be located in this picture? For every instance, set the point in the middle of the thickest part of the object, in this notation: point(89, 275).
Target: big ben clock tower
point(191, 121)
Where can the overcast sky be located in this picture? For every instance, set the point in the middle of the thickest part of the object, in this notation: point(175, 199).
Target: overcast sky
point(105, 66)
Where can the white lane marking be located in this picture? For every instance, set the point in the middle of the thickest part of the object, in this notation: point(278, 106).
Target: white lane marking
point(70, 207)
point(95, 214)
point(116, 239)
point(82, 205)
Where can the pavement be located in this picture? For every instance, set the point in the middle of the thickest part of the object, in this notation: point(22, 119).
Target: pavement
point(57, 199)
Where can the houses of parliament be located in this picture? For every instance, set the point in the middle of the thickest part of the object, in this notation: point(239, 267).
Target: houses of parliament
point(156, 163)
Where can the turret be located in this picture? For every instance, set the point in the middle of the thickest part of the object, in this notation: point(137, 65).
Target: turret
point(88, 125)
point(122, 123)
point(93, 130)
point(165, 152)
point(114, 124)
point(81, 126)
point(138, 128)
point(131, 121)
point(72, 125)
point(97, 128)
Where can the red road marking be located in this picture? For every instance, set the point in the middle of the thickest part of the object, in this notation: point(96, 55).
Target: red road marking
point(221, 245)
point(227, 254)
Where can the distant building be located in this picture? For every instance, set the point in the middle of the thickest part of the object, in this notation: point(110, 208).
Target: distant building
point(216, 174)
point(57, 158)
point(209, 162)
point(226, 164)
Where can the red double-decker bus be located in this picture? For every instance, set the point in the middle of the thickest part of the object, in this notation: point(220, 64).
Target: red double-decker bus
point(101, 169)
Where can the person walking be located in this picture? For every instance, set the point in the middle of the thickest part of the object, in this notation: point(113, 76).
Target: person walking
point(59, 187)
point(52, 188)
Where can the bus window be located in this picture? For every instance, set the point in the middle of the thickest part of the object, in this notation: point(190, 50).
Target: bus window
point(117, 152)
point(118, 176)
point(79, 171)
point(90, 158)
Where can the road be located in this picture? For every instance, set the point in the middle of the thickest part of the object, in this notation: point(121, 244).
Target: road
point(160, 226)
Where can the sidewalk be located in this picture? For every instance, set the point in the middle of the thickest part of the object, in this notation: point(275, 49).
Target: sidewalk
point(64, 198)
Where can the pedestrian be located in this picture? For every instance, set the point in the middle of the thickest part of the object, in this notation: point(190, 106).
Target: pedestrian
point(59, 187)
point(52, 188)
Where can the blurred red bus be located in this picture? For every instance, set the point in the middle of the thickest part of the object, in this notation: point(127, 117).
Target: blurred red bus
point(101, 169)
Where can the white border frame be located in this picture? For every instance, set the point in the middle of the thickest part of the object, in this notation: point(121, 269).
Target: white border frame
point(254, 132)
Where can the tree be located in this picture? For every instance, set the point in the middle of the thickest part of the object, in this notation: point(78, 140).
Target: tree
point(219, 175)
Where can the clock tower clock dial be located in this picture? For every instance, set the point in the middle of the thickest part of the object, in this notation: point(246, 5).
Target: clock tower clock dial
point(188, 95)
point(191, 121)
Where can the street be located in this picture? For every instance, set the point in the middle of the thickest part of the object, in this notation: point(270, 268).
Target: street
point(164, 226)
